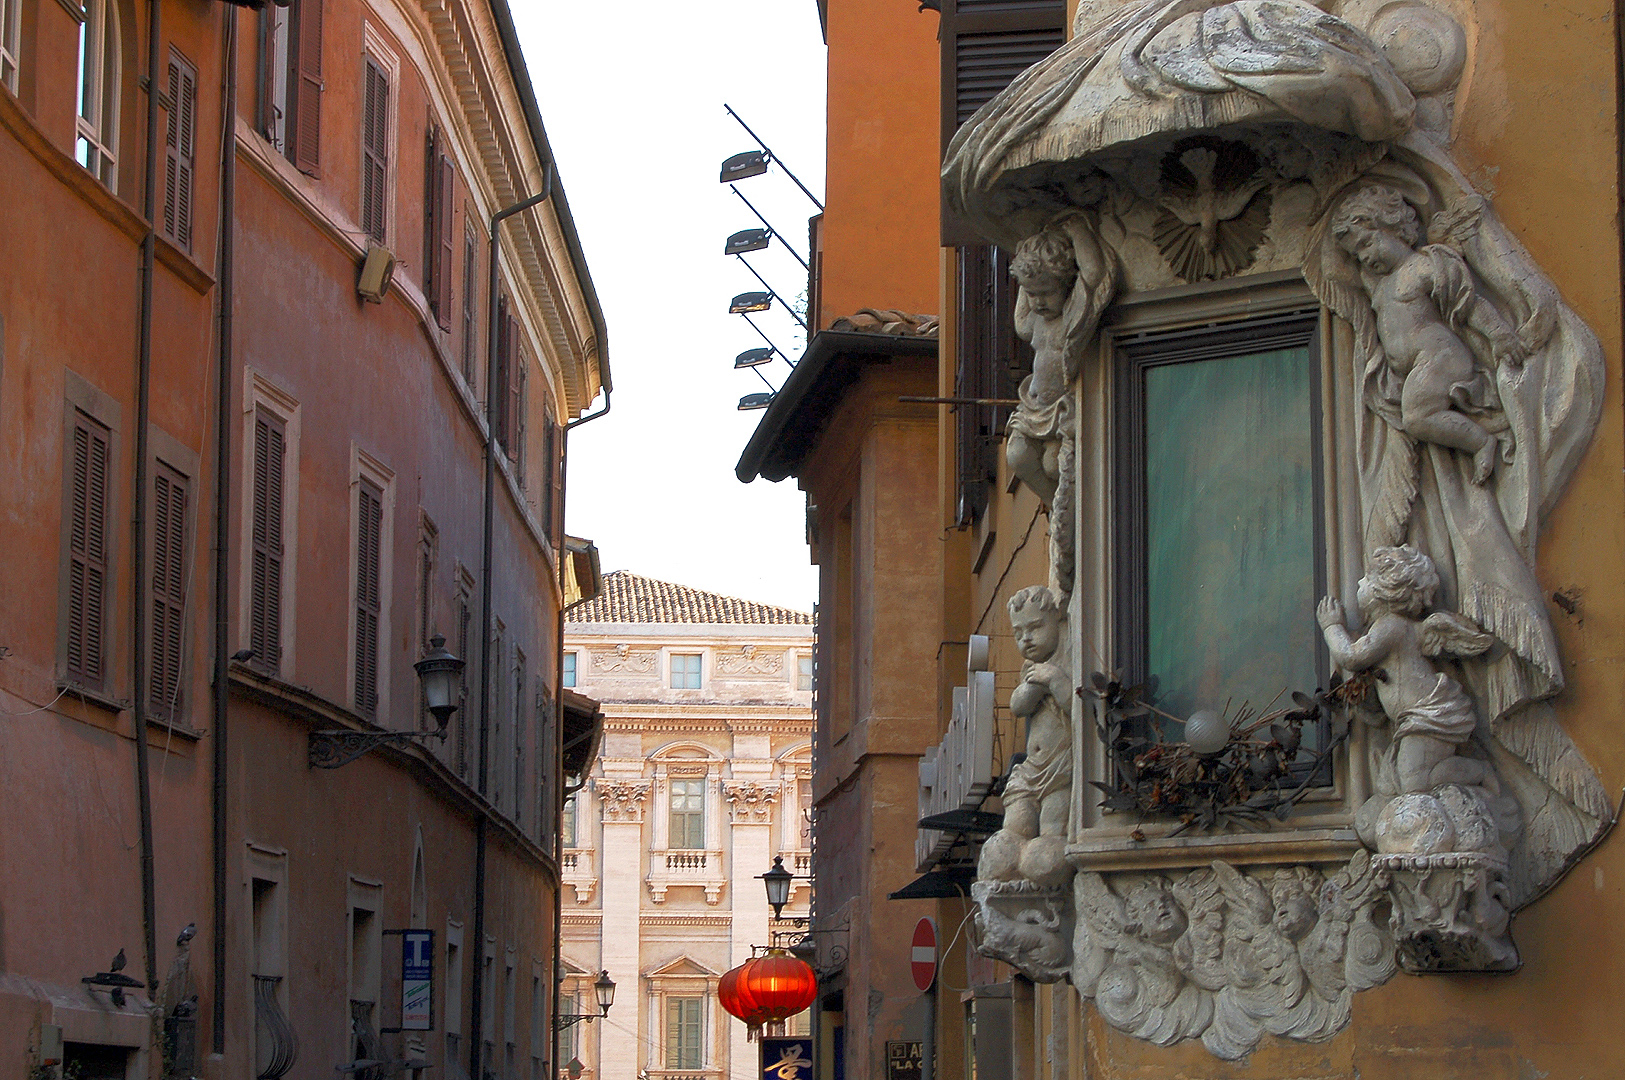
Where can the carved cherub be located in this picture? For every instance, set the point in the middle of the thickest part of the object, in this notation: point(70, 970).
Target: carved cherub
point(1064, 280)
point(1424, 299)
point(1431, 713)
point(1036, 795)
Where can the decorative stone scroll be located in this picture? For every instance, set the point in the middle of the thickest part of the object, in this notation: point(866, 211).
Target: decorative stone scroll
point(750, 660)
point(622, 800)
point(625, 661)
point(1175, 142)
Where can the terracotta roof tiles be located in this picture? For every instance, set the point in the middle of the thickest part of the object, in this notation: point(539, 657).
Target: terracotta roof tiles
point(628, 598)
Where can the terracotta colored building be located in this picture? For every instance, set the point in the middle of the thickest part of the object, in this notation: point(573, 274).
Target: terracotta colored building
point(705, 777)
point(256, 457)
point(1198, 269)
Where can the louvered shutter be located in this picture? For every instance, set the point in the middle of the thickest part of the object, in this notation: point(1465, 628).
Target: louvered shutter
point(985, 45)
point(374, 149)
point(989, 362)
point(446, 190)
point(88, 585)
point(265, 578)
point(516, 452)
point(555, 467)
point(431, 202)
point(369, 552)
point(168, 598)
point(307, 105)
point(496, 396)
point(180, 152)
point(463, 697)
point(513, 371)
point(471, 256)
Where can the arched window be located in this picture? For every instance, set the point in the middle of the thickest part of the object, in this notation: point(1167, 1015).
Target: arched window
point(97, 145)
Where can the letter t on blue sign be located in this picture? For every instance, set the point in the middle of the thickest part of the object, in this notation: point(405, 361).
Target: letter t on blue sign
point(417, 980)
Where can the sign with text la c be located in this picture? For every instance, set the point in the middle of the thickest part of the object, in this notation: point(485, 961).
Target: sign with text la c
point(785, 1058)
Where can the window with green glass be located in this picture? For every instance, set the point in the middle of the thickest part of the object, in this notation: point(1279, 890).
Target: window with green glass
point(568, 676)
point(687, 814)
point(685, 671)
point(684, 1031)
point(1219, 516)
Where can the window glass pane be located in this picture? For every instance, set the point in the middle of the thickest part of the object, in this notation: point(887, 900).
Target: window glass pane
point(1230, 526)
point(568, 678)
point(683, 1029)
point(687, 814)
point(685, 671)
point(804, 672)
point(569, 824)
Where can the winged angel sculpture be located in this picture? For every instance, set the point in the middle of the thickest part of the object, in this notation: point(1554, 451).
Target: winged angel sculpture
point(1271, 135)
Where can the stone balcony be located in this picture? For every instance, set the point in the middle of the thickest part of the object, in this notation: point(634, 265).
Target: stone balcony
point(579, 869)
point(685, 867)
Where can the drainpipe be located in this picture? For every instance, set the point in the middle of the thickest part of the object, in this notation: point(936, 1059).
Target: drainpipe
point(143, 394)
point(222, 514)
point(477, 997)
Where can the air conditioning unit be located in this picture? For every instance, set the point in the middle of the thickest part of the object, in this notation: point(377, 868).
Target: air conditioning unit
point(377, 270)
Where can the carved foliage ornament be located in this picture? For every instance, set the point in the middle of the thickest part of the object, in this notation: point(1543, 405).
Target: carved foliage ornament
point(623, 800)
point(627, 661)
point(750, 803)
point(750, 660)
point(1175, 141)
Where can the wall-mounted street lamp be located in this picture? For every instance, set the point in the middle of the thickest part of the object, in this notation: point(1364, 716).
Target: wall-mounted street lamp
point(439, 673)
point(604, 988)
point(778, 881)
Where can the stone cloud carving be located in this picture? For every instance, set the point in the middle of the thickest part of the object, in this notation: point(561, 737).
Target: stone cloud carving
point(1178, 142)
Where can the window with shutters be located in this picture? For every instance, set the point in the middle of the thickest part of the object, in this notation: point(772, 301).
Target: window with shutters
point(515, 758)
point(11, 19)
point(685, 1030)
point(100, 74)
point(88, 568)
point(374, 150)
point(369, 525)
point(547, 779)
point(465, 642)
point(439, 189)
point(171, 497)
point(276, 73)
point(517, 408)
point(551, 496)
point(490, 780)
point(507, 414)
point(180, 151)
point(428, 556)
point(471, 334)
point(989, 360)
point(266, 575)
point(290, 81)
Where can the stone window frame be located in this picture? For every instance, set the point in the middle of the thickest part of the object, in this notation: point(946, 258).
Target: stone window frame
point(81, 398)
point(364, 468)
point(259, 393)
point(1322, 828)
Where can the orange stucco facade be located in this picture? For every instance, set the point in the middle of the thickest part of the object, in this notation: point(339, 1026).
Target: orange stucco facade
point(372, 400)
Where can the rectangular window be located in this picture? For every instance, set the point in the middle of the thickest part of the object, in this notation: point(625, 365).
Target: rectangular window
point(684, 1031)
point(804, 671)
point(290, 81)
point(989, 360)
point(1219, 514)
point(275, 71)
point(454, 989)
point(100, 73)
point(568, 678)
point(685, 671)
point(568, 823)
point(521, 733)
point(374, 150)
point(569, 1005)
point(428, 556)
point(547, 780)
point(168, 598)
point(89, 575)
point(471, 336)
point(538, 1033)
point(504, 364)
point(265, 578)
point(10, 41)
point(368, 594)
point(687, 814)
point(465, 591)
point(180, 151)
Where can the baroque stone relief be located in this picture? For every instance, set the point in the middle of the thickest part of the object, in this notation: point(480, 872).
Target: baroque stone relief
point(622, 800)
point(750, 802)
point(1172, 142)
point(750, 660)
point(625, 660)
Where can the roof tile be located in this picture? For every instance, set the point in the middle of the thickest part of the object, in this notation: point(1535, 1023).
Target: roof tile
point(628, 598)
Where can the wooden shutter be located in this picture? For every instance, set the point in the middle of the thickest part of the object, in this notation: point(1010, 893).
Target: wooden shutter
point(368, 555)
point(462, 713)
point(496, 395)
point(90, 469)
point(553, 448)
point(513, 371)
point(431, 202)
point(516, 452)
point(989, 362)
point(180, 151)
point(265, 578)
point(985, 45)
point(374, 149)
point(445, 190)
point(471, 338)
point(306, 133)
point(168, 599)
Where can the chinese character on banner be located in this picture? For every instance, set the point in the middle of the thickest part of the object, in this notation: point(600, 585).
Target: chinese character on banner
point(787, 1058)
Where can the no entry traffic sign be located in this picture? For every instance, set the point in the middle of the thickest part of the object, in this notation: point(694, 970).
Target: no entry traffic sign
point(923, 954)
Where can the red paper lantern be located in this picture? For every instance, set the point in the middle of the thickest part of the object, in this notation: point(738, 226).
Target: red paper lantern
point(767, 988)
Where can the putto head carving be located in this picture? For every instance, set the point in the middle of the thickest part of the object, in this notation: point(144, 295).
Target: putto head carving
point(1154, 914)
point(1293, 894)
point(1379, 206)
point(1401, 579)
point(1036, 615)
point(1045, 267)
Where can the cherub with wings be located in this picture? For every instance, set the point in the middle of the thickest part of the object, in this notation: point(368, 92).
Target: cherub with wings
point(1064, 278)
point(1431, 713)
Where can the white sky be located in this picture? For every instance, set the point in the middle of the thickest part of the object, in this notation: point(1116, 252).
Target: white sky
point(632, 97)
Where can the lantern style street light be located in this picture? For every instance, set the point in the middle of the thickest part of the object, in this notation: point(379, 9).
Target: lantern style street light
point(604, 989)
point(777, 881)
point(440, 676)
